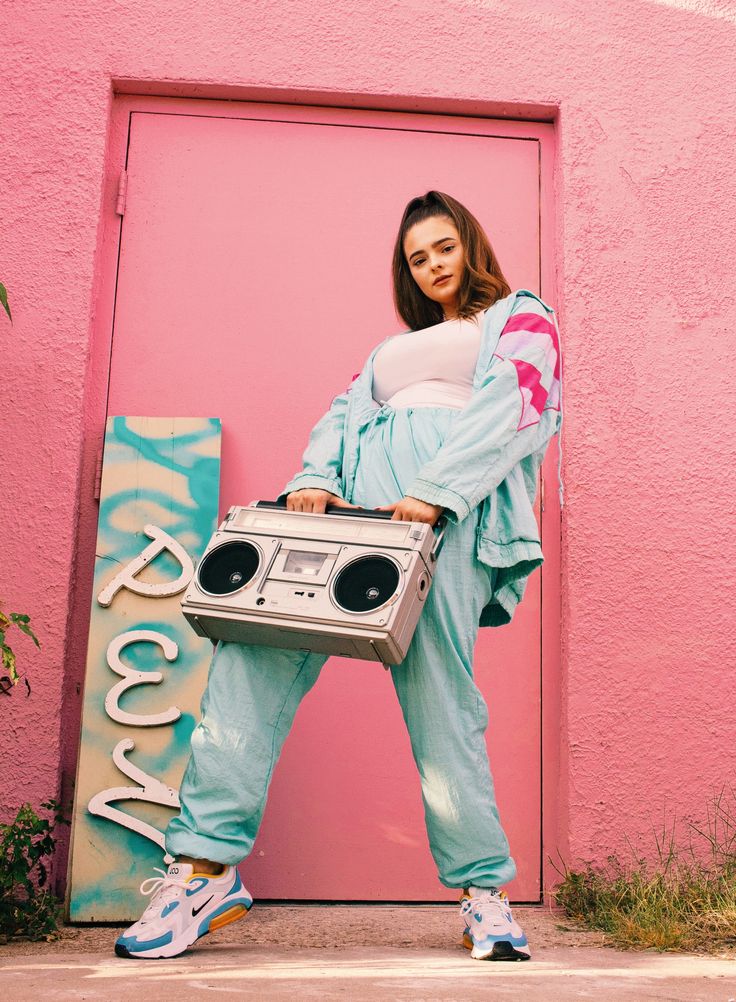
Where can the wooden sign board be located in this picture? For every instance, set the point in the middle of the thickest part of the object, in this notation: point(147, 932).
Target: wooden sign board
point(146, 668)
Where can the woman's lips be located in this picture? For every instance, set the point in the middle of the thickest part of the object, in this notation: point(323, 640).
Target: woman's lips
point(441, 281)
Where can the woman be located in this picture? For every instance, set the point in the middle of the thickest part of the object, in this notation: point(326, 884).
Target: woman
point(449, 418)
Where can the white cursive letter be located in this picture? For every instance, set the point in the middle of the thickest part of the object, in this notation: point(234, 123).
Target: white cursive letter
point(151, 790)
point(126, 578)
point(133, 677)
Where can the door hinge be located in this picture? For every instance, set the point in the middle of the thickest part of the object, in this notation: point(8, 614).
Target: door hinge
point(122, 191)
point(98, 476)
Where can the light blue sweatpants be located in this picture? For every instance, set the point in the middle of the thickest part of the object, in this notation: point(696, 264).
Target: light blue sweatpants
point(253, 693)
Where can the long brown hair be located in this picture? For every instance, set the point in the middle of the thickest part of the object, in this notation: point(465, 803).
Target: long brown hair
point(483, 282)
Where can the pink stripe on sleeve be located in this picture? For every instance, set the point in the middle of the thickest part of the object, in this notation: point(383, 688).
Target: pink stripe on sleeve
point(531, 322)
point(533, 393)
point(533, 325)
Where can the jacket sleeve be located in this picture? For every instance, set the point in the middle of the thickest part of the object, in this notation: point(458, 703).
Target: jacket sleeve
point(514, 412)
point(323, 456)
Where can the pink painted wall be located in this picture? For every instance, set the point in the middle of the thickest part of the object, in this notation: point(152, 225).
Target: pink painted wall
point(642, 97)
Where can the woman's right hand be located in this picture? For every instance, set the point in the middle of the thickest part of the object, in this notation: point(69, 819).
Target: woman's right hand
point(315, 500)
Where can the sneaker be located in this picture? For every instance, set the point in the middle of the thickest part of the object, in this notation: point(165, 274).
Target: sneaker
point(185, 906)
point(490, 930)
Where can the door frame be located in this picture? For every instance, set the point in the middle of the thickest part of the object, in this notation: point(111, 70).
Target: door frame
point(325, 109)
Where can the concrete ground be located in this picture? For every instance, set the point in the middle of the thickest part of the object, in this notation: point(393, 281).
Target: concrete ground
point(383, 952)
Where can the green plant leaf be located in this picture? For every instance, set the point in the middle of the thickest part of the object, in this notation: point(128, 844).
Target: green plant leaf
point(4, 301)
point(9, 663)
point(22, 621)
point(27, 908)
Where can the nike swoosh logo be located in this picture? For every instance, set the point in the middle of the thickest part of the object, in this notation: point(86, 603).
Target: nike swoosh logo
point(196, 911)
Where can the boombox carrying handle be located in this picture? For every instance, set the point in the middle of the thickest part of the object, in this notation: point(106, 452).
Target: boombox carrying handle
point(331, 509)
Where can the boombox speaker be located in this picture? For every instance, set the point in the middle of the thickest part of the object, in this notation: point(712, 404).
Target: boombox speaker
point(351, 582)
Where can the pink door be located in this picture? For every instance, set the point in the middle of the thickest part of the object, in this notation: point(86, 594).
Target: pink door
point(253, 281)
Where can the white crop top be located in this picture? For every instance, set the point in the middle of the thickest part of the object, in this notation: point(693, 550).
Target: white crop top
point(432, 367)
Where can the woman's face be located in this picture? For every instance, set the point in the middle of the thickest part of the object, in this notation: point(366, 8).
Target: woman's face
point(436, 259)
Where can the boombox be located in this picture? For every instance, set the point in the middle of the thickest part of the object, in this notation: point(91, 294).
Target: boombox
point(350, 582)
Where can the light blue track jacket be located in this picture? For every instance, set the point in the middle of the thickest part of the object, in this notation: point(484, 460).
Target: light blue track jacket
point(492, 453)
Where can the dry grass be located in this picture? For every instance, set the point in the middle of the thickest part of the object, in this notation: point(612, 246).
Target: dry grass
point(685, 900)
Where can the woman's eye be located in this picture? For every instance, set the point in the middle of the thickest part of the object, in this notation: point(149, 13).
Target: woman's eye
point(418, 262)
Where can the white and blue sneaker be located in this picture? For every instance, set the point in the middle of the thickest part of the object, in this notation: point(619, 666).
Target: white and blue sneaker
point(185, 906)
point(490, 930)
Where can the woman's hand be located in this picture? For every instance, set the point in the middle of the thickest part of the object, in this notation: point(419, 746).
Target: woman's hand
point(315, 500)
point(413, 510)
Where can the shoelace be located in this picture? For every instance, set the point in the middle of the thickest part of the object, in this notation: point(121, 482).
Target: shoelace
point(161, 888)
point(481, 902)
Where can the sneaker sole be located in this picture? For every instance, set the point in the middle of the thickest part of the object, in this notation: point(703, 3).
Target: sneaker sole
point(187, 939)
point(502, 950)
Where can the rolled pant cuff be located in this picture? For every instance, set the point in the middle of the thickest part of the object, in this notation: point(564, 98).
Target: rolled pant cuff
point(498, 876)
point(185, 843)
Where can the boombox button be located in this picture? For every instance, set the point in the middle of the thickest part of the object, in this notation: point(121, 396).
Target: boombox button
point(416, 533)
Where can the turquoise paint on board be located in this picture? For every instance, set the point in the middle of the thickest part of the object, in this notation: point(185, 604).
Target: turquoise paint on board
point(163, 471)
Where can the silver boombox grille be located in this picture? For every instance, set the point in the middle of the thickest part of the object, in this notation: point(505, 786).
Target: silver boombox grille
point(350, 582)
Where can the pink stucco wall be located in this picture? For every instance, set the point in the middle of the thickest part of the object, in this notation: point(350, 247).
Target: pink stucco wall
point(643, 100)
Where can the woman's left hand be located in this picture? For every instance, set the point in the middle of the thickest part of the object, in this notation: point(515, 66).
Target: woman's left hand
point(413, 510)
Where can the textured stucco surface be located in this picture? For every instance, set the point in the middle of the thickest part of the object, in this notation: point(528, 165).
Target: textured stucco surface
point(646, 196)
